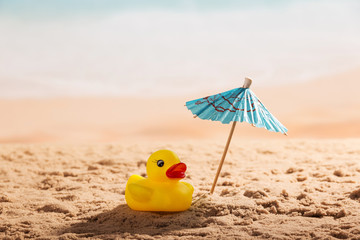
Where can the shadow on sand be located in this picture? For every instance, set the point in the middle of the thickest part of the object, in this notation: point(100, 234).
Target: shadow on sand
point(122, 220)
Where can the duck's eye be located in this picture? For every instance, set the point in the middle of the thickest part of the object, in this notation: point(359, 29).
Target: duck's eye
point(160, 163)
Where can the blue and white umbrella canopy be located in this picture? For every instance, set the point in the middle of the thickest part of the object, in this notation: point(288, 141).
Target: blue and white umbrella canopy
point(240, 105)
point(237, 105)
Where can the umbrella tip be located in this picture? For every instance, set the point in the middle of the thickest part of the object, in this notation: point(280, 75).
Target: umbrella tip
point(247, 83)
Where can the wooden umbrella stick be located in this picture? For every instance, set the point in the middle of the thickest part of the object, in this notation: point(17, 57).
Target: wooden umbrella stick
point(223, 157)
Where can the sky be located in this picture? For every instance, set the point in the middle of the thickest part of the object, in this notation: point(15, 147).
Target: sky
point(170, 48)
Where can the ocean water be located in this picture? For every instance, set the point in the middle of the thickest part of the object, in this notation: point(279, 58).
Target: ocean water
point(170, 48)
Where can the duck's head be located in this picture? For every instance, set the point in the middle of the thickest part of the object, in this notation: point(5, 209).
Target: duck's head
point(164, 165)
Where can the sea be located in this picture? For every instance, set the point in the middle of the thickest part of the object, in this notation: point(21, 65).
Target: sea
point(161, 48)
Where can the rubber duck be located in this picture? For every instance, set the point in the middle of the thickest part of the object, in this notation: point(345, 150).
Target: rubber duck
point(162, 190)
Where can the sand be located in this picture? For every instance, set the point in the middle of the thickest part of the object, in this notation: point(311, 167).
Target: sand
point(327, 107)
point(274, 189)
point(64, 163)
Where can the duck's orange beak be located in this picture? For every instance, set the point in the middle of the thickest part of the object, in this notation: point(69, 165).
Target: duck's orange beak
point(176, 171)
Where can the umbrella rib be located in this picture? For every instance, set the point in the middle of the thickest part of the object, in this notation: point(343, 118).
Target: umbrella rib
point(251, 106)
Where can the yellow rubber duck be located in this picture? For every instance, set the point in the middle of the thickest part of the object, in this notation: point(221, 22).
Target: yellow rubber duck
point(162, 190)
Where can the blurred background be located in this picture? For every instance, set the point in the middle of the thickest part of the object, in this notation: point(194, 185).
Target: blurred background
point(112, 70)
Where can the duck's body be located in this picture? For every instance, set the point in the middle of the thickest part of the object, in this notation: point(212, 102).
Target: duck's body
point(142, 194)
point(162, 191)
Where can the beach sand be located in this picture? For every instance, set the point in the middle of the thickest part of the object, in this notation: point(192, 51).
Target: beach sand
point(275, 189)
point(327, 107)
point(64, 164)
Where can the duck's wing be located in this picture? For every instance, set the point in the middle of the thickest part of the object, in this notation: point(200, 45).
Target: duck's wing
point(139, 192)
point(189, 186)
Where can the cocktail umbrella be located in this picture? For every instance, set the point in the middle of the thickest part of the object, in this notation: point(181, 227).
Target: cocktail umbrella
point(237, 105)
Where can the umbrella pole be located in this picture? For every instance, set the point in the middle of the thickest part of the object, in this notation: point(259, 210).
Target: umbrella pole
point(223, 157)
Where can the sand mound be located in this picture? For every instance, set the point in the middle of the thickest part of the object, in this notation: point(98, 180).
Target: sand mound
point(355, 194)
